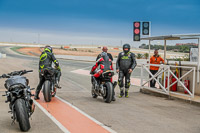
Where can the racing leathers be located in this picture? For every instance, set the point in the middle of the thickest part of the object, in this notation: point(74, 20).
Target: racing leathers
point(104, 64)
point(125, 62)
point(46, 59)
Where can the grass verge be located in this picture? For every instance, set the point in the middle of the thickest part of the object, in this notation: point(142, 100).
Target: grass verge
point(15, 49)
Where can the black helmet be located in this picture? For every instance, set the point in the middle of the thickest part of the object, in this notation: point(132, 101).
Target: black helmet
point(48, 48)
point(126, 46)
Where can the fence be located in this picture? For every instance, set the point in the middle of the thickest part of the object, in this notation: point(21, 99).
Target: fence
point(165, 73)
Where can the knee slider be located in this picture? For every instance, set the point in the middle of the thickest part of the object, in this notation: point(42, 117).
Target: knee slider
point(120, 82)
point(127, 83)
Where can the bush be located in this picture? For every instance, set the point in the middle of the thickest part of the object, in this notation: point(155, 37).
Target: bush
point(74, 49)
point(139, 56)
point(146, 55)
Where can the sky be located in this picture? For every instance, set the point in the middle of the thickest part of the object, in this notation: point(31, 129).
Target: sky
point(93, 22)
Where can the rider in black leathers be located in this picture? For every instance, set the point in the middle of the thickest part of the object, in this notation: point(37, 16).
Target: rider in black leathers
point(46, 59)
point(125, 64)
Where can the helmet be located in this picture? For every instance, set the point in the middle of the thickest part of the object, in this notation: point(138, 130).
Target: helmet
point(126, 46)
point(48, 48)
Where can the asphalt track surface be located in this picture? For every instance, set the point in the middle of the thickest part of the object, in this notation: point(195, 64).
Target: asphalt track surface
point(140, 113)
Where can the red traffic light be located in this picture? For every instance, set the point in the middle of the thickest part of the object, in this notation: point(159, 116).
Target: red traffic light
point(137, 24)
point(137, 31)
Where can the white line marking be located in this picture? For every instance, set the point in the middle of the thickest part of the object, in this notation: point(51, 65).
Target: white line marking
point(75, 83)
point(83, 113)
point(87, 67)
point(52, 118)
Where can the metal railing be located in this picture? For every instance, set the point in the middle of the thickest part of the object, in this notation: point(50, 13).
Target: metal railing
point(166, 71)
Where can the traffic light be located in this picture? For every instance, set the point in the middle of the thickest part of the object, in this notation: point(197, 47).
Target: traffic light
point(145, 28)
point(136, 31)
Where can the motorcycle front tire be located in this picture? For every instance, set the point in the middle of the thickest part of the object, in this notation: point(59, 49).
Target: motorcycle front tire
point(22, 115)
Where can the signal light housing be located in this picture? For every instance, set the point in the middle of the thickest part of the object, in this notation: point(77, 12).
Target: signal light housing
point(145, 28)
point(136, 31)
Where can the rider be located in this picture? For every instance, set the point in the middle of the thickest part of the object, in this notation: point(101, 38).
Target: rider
point(105, 63)
point(125, 64)
point(46, 59)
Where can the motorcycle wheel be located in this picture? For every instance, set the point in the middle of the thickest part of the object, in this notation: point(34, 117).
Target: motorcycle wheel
point(22, 115)
point(109, 92)
point(47, 91)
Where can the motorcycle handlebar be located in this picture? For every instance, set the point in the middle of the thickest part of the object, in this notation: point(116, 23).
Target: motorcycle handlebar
point(29, 71)
point(15, 73)
point(22, 72)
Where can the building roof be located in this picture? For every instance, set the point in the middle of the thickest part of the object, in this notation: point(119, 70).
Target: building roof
point(173, 37)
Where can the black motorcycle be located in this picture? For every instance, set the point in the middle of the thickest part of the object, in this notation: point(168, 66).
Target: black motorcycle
point(49, 88)
point(103, 86)
point(19, 97)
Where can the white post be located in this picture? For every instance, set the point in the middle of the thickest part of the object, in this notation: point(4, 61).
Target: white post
point(164, 79)
point(149, 50)
point(141, 77)
point(165, 49)
point(198, 61)
point(168, 79)
point(149, 57)
point(193, 87)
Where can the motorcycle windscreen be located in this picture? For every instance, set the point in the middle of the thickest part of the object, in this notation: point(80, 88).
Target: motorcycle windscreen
point(15, 80)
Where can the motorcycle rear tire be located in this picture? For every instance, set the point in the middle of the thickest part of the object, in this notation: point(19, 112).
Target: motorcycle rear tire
point(22, 115)
point(109, 92)
point(47, 91)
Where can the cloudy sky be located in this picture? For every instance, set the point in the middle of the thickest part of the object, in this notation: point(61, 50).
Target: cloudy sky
point(102, 22)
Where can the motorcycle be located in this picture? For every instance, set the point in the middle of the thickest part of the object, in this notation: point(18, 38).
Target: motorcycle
point(19, 97)
point(49, 88)
point(103, 86)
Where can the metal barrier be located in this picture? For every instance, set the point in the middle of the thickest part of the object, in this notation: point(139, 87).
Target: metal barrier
point(166, 72)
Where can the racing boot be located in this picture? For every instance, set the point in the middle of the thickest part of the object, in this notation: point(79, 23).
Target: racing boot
point(36, 97)
point(113, 98)
point(126, 92)
point(114, 84)
point(121, 92)
point(57, 85)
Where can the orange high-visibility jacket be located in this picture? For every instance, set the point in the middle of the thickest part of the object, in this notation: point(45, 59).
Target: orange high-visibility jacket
point(155, 60)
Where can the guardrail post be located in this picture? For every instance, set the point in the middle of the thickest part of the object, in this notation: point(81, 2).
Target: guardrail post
point(194, 78)
point(141, 82)
point(168, 80)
